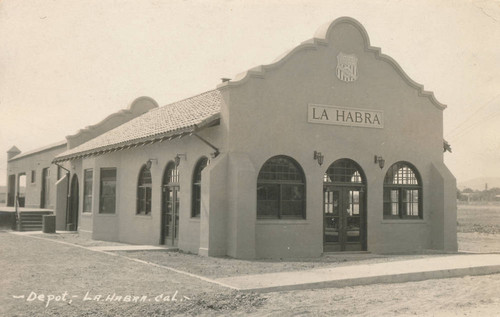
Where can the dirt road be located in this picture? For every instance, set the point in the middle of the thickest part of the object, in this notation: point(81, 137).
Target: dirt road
point(80, 282)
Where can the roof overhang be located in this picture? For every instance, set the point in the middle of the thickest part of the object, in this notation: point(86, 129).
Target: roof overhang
point(130, 144)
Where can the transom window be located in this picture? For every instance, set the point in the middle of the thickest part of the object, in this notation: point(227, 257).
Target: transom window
point(402, 192)
point(196, 203)
point(281, 189)
point(343, 171)
point(171, 175)
point(144, 192)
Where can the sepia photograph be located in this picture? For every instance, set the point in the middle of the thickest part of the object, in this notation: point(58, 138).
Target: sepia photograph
point(249, 158)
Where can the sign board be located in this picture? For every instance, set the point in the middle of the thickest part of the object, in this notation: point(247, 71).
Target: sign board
point(354, 117)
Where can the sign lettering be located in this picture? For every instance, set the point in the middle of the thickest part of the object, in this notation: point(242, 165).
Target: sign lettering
point(365, 118)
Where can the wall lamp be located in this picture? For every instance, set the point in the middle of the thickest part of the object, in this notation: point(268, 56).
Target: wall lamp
point(380, 160)
point(150, 162)
point(318, 157)
point(178, 159)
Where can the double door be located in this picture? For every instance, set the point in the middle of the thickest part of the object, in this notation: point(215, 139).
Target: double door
point(170, 215)
point(344, 220)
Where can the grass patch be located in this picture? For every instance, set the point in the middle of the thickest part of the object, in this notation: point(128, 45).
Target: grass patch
point(478, 218)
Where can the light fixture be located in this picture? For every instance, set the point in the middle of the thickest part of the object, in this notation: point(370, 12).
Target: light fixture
point(380, 160)
point(177, 159)
point(319, 157)
point(150, 162)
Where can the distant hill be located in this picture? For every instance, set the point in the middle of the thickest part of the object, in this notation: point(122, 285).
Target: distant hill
point(479, 183)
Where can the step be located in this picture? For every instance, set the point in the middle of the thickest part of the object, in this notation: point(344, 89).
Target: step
point(37, 214)
point(29, 225)
point(32, 218)
point(31, 229)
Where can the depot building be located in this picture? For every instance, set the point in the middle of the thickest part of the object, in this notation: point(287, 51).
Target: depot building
point(331, 148)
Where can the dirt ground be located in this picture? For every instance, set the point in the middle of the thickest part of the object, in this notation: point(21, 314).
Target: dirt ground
point(33, 267)
point(213, 267)
point(48, 268)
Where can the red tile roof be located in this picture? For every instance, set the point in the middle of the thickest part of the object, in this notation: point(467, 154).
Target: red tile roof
point(176, 119)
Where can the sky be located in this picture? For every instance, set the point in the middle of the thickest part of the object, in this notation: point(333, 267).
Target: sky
point(67, 64)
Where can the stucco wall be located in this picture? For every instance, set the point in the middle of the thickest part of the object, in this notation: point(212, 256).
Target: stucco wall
point(267, 116)
point(37, 162)
point(125, 225)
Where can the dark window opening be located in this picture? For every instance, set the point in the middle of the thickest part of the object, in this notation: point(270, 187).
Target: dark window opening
point(21, 190)
point(196, 201)
point(107, 195)
point(144, 192)
point(281, 189)
point(87, 190)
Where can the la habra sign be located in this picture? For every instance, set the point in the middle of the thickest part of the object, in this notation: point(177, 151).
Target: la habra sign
point(354, 117)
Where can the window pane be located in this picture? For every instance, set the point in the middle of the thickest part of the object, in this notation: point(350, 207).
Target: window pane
point(412, 202)
point(292, 200)
point(401, 174)
point(108, 174)
point(196, 198)
point(353, 229)
point(196, 201)
point(391, 203)
point(280, 189)
point(395, 202)
point(353, 202)
point(331, 229)
point(171, 174)
point(108, 205)
point(148, 200)
point(268, 203)
point(331, 202)
point(404, 202)
point(87, 190)
point(144, 192)
point(343, 171)
point(108, 191)
point(280, 168)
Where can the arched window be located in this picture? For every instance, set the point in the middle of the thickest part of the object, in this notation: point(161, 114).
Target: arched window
point(171, 175)
point(144, 192)
point(196, 203)
point(402, 192)
point(281, 189)
point(170, 205)
point(343, 171)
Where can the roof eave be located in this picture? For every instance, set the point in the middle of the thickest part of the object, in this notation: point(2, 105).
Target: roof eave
point(179, 133)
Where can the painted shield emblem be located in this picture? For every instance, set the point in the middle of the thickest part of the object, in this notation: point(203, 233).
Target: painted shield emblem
point(347, 67)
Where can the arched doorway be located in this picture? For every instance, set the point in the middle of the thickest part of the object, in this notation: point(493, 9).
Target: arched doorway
point(170, 206)
point(72, 219)
point(344, 207)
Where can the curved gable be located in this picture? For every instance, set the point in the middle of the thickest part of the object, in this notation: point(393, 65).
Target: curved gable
point(333, 33)
point(138, 107)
